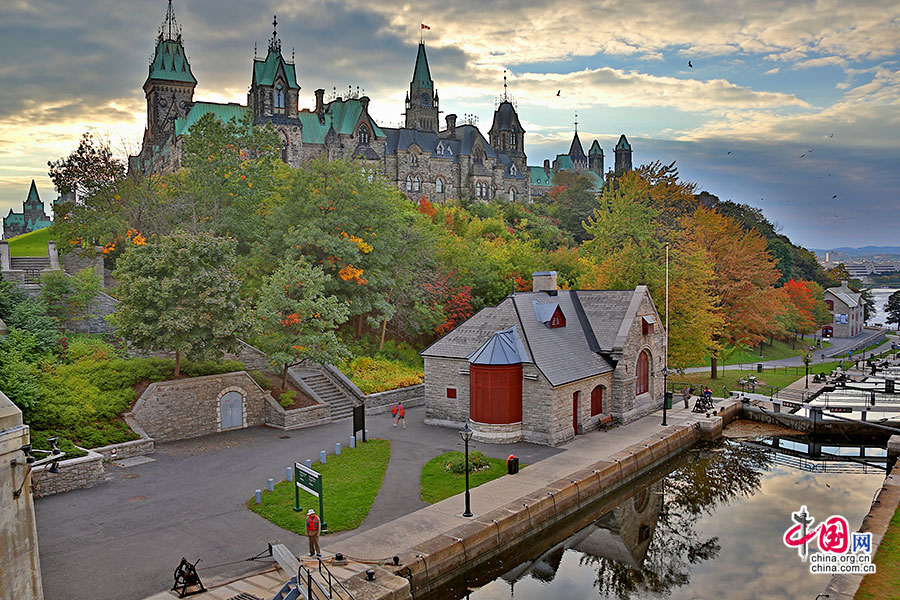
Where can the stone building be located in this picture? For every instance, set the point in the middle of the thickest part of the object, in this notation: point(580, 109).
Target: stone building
point(32, 217)
point(847, 312)
point(547, 365)
point(421, 158)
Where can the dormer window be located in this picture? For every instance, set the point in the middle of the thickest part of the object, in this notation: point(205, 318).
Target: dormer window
point(440, 148)
point(478, 155)
point(413, 159)
point(647, 324)
point(363, 134)
point(278, 96)
point(512, 170)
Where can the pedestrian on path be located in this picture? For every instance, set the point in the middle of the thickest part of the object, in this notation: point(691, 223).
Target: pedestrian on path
point(686, 396)
point(394, 414)
point(313, 528)
point(401, 414)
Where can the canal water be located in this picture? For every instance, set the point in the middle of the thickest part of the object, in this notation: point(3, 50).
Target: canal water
point(708, 527)
point(881, 295)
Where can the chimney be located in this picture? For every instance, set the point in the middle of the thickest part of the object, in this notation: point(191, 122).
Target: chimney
point(451, 126)
point(845, 283)
point(547, 167)
point(320, 100)
point(544, 281)
point(365, 103)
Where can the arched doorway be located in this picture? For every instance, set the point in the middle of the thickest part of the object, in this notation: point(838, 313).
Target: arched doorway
point(597, 400)
point(231, 410)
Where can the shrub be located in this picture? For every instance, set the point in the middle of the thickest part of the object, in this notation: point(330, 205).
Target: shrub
point(477, 462)
point(89, 348)
point(379, 374)
point(261, 379)
point(286, 399)
point(210, 367)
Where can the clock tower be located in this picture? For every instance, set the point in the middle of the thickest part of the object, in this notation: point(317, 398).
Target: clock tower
point(422, 99)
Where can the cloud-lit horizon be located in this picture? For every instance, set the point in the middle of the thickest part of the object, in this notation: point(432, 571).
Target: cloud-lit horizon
point(785, 105)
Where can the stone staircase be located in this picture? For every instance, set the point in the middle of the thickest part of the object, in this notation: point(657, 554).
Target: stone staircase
point(341, 404)
point(31, 265)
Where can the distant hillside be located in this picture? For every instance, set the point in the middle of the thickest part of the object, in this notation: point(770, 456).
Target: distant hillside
point(864, 251)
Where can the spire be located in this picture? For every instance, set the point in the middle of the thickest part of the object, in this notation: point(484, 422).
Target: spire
point(169, 31)
point(422, 74)
point(275, 43)
point(576, 123)
point(505, 94)
point(33, 197)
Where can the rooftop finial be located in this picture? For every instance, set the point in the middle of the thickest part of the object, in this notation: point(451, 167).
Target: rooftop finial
point(505, 96)
point(275, 43)
point(576, 121)
point(169, 30)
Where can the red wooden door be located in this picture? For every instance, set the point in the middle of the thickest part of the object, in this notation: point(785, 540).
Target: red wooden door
point(575, 412)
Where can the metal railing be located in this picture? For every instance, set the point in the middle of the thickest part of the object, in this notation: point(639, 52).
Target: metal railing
point(334, 584)
point(329, 588)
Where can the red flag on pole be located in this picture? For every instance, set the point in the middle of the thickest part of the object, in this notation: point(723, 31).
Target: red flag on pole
point(424, 26)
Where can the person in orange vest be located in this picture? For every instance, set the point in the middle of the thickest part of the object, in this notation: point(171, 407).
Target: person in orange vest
point(313, 528)
point(394, 414)
point(401, 415)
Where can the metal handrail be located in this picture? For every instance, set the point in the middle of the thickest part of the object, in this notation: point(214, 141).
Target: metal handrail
point(333, 580)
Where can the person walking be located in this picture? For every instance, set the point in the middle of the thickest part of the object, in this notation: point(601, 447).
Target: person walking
point(313, 528)
point(401, 415)
point(394, 414)
point(686, 396)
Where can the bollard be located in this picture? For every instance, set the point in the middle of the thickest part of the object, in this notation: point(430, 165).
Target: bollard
point(288, 474)
point(366, 435)
point(259, 496)
point(353, 441)
point(337, 448)
point(322, 458)
point(308, 463)
point(270, 484)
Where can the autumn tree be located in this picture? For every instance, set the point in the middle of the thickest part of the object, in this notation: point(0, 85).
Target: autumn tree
point(811, 311)
point(572, 200)
point(297, 320)
point(180, 295)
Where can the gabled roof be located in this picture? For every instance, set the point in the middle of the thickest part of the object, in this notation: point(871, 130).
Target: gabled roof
point(595, 149)
point(264, 71)
point(845, 295)
point(223, 112)
point(503, 348)
point(576, 151)
point(598, 322)
point(422, 74)
point(563, 162)
point(623, 143)
point(170, 63)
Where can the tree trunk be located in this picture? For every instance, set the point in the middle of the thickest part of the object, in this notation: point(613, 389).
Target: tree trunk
point(177, 363)
point(714, 367)
point(359, 326)
point(284, 377)
point(794, 342)
point(384, 322)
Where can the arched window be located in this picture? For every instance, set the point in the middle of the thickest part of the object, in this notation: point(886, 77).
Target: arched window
point(279, 96)
point(408, 183)
point(413, 159)
point(478, 155)
point(284, 145)
point(363, 134)
point(416, 183)
point(642, 384)
point(512, 139)
point(439, 185)
point(597, 400)
point(512, 194)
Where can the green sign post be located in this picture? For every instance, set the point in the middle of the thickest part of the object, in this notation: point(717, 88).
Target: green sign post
point(311, 481)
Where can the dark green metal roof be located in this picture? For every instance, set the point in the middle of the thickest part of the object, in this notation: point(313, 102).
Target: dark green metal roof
point(342, 115)
point(223, 112)
point(170, 64)
point(264, 71)
point(33, 197)
point(421, 74)
point(595, 149)
point(539, 177)
point(623, 143)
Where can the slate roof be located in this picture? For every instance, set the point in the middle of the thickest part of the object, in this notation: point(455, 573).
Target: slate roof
point(170, 63)
point(264, 71)
point(466, 136)
point(505, 118)
point(597, 324)
point(503, 348)
point(576, 151)
point(845, 295)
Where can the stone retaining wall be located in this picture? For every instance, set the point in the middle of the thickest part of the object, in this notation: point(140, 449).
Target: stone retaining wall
point(74, 474)
point(140, 447)
point(298, 418)
point(94, 321)
point(381, 402)
point(188, 408)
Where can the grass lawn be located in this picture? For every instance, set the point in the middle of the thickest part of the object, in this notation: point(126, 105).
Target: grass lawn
point(885, 582)
point(437, 483)
point(779, 377)
point(774, 351)
point(30, 244)
point(350, 483)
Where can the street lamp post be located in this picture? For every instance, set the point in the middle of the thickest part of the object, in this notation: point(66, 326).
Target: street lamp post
point(665, 395)
point(466, 435)
point(806, 362)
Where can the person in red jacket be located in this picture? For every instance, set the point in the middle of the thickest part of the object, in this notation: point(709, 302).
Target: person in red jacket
point(394, 414)
point(313, 528)
point(401, 415)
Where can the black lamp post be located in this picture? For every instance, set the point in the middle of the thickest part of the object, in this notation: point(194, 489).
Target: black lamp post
point(665, 395)
point(806, 362)
point(466, 435)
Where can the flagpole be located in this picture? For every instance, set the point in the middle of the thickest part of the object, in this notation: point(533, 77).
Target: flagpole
point(666, 372)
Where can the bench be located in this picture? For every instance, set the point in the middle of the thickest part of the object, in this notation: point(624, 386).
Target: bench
point(606, 422)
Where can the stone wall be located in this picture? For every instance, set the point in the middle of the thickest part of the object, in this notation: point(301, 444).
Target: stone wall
point(410, 396)
point(626, 406)
point(253, 358)
point(77, 260)
point(93, 320)
point(74, 474)
point(140, 447)
point(298, 418)
point(444, 374)
point(187, 408)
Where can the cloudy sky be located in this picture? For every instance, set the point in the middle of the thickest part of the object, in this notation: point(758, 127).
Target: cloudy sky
point(786, 105)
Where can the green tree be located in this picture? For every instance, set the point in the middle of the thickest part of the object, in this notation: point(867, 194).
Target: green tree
point(893, 308)
point(297, 320)
point(572, 201)
point(180, 294)
point(69, 298)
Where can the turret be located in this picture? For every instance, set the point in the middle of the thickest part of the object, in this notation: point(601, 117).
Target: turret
point(507, 134)
point(273, 87)
point(576, 153)
point(623, 155)
point(422, 100)
point(595, 158)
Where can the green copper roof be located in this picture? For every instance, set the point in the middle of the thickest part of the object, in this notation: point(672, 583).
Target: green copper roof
point(421, 74)
point(563, 162)
point(223, 112)
point(343, 115)
point(596, 180)
point(14, 218)
point(623, 143)
point(595, 149)
point(170, 63)
point(538, 177)
point(264, 71)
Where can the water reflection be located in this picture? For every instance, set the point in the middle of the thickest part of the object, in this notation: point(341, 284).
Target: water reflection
point(711, 528)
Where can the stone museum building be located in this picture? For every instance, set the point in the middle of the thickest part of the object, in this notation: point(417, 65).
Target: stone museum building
point(32, 217)
point(547, 365)
point(426, 158)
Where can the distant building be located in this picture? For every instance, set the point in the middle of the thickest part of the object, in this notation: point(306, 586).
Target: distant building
point(846, 307)
point(547, 365)
point(32, 217)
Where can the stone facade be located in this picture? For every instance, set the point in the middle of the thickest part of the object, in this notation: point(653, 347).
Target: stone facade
point(298, 418)
point(74, 474)
point(32, 217)
point(847, 312)
point(187, 408)
point(421, 158)
point(380, 402)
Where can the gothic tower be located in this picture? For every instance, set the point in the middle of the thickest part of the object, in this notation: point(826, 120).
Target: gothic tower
point(422, 100)
point(273, 88)
point(507, 135)
point(576, 153)
point(595, 158)
point(169, 88)
point(623, 155)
